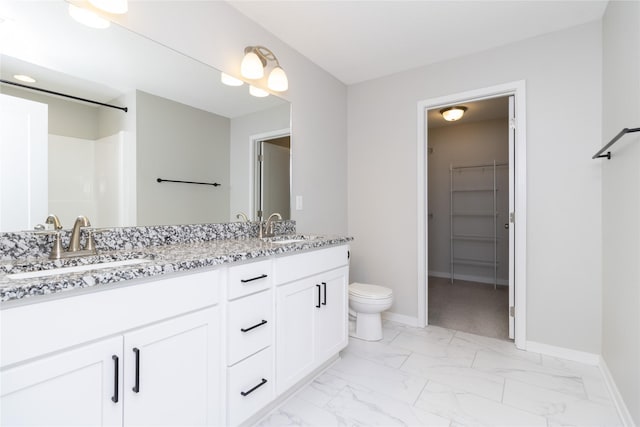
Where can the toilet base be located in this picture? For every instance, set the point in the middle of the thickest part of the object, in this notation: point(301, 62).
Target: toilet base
point(368, 327)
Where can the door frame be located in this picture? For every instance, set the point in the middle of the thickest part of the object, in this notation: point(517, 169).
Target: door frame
point(254, 140)
point(517, 89)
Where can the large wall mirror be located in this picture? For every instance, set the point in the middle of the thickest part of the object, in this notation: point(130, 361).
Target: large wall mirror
point(182, 124)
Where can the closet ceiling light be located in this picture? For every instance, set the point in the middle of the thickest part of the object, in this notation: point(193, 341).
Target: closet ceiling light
point(451, 114)
point(254, 62)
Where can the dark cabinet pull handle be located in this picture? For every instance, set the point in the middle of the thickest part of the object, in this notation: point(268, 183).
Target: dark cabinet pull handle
point(136, 387)
point(246, 393)
point(319, 291)
point(263, 276)
point(116, 375)
point(264, 322)
point(324, 299)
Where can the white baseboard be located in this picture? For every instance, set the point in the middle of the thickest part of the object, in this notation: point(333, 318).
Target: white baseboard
point(623, 411)
point(564, 353)
point(469, 278)
point(400, 318)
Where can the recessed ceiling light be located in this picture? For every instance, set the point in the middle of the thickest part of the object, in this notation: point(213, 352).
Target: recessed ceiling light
point(24, 78)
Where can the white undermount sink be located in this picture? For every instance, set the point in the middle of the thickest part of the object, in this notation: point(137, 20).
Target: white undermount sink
point(76, 268)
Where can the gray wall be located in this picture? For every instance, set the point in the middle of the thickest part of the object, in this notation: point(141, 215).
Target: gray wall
point(563, 94)
point(319, 115)
point(179, 142)
point(621, 201)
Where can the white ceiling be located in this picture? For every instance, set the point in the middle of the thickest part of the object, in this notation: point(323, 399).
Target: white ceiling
point(357, 41)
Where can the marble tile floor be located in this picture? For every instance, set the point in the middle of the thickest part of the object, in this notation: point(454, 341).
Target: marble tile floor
point(441, 377)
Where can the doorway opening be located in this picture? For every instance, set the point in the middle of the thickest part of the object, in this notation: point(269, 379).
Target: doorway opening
point(273, 176)
point(468, 199)
point(474, 220)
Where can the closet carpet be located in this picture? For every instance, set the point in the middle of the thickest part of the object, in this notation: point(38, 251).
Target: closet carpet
point(470, 307)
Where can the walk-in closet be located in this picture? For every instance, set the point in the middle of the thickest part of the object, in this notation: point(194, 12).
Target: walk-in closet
point(468, 206)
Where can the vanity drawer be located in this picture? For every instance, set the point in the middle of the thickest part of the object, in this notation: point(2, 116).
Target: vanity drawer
point(250, 386)
point(293, 267)
point(249, 278)
point(249, 325)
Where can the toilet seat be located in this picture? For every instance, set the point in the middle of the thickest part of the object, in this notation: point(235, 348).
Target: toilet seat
point(363, 290)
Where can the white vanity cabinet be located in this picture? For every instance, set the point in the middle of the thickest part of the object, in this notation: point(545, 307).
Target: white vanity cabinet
point(153, 365)
point(312, 310)
point(76, 387)
point(250, 338)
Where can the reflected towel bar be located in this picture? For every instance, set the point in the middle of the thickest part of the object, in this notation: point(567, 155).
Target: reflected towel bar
point(613, 141)
point(51, 92)
point(215, 184)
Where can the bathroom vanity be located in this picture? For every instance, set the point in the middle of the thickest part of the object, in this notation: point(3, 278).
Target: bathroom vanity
point(206, 333)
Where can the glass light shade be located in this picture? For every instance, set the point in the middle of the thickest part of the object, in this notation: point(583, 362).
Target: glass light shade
point(230, 80)
point(251, 67)
point(88, 18)
point(278, 81)
point(452, 114)
point(111, 6)
point(257, 92)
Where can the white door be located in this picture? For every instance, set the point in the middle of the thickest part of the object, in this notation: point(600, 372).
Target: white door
point(273, 173)
point(512, 206)
point(171, 372)
point(296, 304)
point(23, 163)
point(79, 387)
point(332, 325)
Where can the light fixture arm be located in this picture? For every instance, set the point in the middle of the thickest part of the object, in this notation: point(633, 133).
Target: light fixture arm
point(263, 53)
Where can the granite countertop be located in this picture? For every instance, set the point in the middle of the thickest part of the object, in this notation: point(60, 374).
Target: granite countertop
point(162, 260)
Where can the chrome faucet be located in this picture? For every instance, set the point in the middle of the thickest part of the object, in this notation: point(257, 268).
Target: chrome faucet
point(268, 227)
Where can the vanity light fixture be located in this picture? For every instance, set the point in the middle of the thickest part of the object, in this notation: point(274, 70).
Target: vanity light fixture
point(117, 7)
point(254, 62)
point(88, 17)
point(230, 80)
point(257, 92)
point(451, 114)
point(24, 78)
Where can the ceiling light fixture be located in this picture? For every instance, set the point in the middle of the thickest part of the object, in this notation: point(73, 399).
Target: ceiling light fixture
point(117, 7)
point(24, 78)
point(230, 80)
point(451, 114)
point(87, 17)
point(254, 62)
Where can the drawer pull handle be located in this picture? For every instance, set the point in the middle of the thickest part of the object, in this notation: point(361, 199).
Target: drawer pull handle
point(319, 292)
point(246, 393)
point(116, 365)
point(262, 276)
point(136, 387)
point(324, 298)
point(264, 322)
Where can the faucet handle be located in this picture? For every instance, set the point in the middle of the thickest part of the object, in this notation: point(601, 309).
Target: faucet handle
point(56, 250)
point(90, 244)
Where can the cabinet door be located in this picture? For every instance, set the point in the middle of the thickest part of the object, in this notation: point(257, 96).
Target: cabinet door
point(295, 342)
point(332, 326)
point(77, 387)
point(172, 371)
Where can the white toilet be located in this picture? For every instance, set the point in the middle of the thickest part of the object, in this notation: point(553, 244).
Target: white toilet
point(367, 302)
